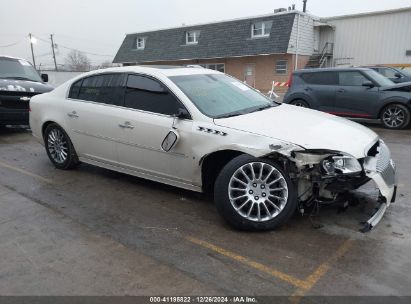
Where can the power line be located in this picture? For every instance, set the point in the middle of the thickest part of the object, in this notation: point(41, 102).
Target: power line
point(95, 54)
point(74, 49)
point(86, 39)
point(11, 44)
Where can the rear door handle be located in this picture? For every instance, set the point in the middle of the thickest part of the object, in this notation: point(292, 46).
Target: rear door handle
point(126, 125)
point(73, 114)
point(341, 91)
point(308, 89)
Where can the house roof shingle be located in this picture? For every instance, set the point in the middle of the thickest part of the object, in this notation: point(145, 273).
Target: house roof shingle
point(217, 40)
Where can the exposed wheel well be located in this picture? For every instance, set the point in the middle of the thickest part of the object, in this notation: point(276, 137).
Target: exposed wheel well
point(212, 165)
point(392, 103)
point(45, 125)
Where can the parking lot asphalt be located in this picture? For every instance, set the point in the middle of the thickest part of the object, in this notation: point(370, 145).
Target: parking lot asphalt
point(91, 231)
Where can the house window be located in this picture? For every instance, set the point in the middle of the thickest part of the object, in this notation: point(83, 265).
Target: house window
point(214, 66)
point(140, 43)
point(281, 66)
point(261, 29)
point(192, 37)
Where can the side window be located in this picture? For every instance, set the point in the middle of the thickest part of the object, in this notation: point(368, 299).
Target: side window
point(75, 89)
point(105, 88)
point(389, 73)
point(147, 94)
point(353, 78)
point(321, 78)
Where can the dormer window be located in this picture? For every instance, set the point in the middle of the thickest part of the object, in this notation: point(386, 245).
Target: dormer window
point(140, 43)
point(261, 29)
point(192, 37)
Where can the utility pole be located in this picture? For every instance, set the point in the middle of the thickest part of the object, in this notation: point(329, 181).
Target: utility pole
point(54, 54)
point(32, 52)
point(297, 43)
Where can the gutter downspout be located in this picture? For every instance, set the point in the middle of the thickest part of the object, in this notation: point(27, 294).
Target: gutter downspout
point(298, 40)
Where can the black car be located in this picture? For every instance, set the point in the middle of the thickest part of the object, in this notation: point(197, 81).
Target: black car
point(394, 74)
point(352, 92)
point(19, 81)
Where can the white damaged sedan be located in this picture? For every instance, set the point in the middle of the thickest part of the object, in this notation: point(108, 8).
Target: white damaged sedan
point(206, 131)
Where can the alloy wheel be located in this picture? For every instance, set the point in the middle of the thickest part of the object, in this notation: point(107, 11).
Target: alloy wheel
point(258, 191)
point(393, 116)
point(57, 146)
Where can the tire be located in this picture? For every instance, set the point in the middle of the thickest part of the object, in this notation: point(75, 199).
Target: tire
point(300, 103)
point(240, 207)
point(59, 148)
point(395, 116)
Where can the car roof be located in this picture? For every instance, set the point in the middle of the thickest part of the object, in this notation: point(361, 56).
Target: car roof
point(165, 70)
point(12, 57)
point(331, 70)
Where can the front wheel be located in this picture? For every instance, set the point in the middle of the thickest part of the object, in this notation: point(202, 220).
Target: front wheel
point(254, 194)
point(59, 148)
point(395, 116)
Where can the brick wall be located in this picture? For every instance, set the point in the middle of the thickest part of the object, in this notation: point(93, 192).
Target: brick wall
point(265, 72)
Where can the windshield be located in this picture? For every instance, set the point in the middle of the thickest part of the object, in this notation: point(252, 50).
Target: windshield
point(379, 78)
point(219, 96)
point(19, 69)
point(405, 72)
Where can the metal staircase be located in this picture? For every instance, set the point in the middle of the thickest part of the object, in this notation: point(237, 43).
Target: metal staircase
point(321, 60)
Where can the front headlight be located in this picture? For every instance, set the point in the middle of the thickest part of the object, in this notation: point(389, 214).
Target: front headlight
point(341, 164)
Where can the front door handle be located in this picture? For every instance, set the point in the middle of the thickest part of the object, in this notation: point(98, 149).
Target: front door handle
point(72, 114)
point(126, 125)
point(341, 91)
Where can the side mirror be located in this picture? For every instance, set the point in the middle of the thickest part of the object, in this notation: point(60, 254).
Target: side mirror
point(398, 75)
point(170, 140)
point(368, 84)
point(182, 114)
point(45, 77)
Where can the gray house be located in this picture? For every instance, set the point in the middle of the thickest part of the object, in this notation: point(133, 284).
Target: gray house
point(258, 50)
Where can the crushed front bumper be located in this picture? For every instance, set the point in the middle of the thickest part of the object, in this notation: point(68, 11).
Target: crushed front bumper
point(381, 169)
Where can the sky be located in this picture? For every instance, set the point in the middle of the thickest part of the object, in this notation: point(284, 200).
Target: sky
point(98, 27)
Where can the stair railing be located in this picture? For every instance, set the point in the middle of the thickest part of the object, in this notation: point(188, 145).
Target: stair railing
point(327, 50)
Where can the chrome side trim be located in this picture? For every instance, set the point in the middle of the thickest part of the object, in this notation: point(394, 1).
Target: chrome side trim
point(211, 131)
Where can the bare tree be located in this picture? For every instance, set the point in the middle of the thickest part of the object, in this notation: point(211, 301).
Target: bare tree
point(106, 64)
point(77, 61)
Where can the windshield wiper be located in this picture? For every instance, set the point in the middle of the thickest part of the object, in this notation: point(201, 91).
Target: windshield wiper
point(244, 112)
point(262, 108)
point(229, 115)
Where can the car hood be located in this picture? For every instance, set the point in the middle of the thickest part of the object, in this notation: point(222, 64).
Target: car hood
point(307, 128)
point(12, 85)
point(397, 86)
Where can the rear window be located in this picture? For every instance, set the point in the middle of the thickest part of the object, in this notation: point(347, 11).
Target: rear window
point(321, 78)
point(105, 88)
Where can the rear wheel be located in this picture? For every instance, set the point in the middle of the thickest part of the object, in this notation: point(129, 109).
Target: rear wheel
point(59, 148)
point(395, 116)
point(254, 194)
point(300, 103)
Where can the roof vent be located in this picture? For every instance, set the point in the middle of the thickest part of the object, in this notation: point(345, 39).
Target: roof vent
point(280, 10)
